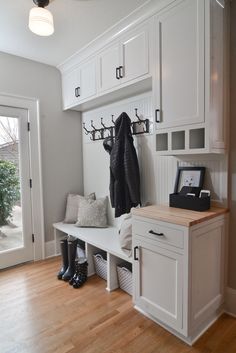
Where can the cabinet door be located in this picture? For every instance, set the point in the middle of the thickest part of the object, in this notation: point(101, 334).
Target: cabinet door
point(88, 80)
point(158, 283)
point(109, 61)
point(179, 87)
point(135, 56)
point(70, 88)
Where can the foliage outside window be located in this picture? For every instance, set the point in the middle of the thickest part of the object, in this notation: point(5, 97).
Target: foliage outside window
point(9, 190)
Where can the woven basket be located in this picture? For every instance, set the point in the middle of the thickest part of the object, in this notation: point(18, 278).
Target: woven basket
point(100, 264)
point(125, 279)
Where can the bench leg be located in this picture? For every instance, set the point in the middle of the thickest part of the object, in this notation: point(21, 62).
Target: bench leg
point(112, 278)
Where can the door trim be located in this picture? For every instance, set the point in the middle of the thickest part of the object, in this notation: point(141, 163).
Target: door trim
point(32, 106)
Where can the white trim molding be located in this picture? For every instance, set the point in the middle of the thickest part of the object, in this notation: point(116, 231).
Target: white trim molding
point(231, 301)
point(50, 249)
point(32, 106)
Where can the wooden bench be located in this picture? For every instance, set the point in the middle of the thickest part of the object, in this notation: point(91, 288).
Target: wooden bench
point(96, 239)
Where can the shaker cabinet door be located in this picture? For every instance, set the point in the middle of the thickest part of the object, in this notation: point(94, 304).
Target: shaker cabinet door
point(179, 86)
point(158, 283)
point(135, 55)
point(88, 82)
point(70, 88)
point(109, 62)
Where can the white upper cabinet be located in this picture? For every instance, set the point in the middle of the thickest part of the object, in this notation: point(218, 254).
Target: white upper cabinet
point(191, 78)
point(125, 60)
point(109, 62)
point(135, 55)
point(179, 88)
point(79, 84)
point(88, 84)
point(179, 49)
point(70, 86)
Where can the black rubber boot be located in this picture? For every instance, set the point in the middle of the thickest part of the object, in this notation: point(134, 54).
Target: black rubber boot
point(64, 256)
point(81, 273)
point(72, 247)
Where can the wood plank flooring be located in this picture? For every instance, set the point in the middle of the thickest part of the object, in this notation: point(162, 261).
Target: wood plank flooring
point(39, 314)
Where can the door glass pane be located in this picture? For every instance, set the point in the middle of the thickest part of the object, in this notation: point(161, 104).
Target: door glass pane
point(11, 235)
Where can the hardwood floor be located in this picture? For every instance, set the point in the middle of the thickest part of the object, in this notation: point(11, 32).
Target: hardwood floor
point(39, 314)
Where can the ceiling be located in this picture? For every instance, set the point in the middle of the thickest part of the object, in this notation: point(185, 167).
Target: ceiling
point(76, 23)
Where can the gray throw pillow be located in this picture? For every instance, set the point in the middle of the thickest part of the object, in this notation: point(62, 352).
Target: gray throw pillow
point(92, 213)
point(125, 235)
point(72, 206)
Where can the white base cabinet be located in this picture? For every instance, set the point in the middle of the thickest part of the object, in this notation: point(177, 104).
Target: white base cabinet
point(179, 273)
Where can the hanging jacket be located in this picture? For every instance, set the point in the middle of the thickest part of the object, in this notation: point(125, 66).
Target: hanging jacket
point(124, 169)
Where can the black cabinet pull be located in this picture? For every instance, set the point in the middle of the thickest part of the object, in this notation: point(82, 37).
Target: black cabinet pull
point(157, 116)
point(121, 72)
point(118, 73)
point(77, 92)
point(135, 253)
point(158, 234)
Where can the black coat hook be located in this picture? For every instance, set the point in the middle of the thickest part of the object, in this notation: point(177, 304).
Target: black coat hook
point(112, 119)
point(103, 123)
point(136, 114)
point(94, 128)
point(85, 129)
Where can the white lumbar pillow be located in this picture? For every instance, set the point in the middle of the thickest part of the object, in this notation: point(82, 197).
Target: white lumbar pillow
point(72, 206)
point(92, 213)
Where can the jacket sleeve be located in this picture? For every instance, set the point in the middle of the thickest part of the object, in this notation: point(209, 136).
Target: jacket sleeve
point(131, 169)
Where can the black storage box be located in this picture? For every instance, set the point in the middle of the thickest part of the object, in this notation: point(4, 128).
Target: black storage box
point(190, 202)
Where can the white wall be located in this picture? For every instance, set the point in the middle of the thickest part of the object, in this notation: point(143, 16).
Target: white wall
point(60, 131)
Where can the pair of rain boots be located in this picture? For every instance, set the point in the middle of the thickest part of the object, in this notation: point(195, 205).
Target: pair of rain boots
point(81, 273)
point(68, 253)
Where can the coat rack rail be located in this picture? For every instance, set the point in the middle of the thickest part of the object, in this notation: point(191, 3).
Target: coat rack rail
point(139, 127)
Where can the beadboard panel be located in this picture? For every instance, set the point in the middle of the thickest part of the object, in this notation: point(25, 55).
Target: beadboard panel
point(96, 160)
point(215, 179)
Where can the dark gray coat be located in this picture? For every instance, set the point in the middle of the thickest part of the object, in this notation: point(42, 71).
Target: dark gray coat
point(124, 169)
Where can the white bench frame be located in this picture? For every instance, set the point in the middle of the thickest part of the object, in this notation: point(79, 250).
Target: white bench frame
point(95, 239)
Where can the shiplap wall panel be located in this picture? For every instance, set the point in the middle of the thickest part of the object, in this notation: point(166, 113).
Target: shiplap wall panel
point(215, 179)
point(96, 160)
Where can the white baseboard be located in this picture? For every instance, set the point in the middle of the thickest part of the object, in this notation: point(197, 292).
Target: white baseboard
point(50, 249)
point(230, 301)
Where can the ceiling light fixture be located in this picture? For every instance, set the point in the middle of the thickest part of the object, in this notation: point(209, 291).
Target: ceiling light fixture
point(40, 19)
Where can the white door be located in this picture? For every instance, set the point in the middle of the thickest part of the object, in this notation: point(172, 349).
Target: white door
point(158, 283)
point(71, 88)
point(16, 241)
point(179, 87)
point(135, 54)
point(88, 80)
point(109, 62)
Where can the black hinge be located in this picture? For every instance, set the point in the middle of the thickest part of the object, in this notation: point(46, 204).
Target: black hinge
point(32, 238)
point(30, 182)
point(28, 126)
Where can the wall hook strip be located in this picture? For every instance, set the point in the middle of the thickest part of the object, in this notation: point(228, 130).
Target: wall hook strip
point(99, 134)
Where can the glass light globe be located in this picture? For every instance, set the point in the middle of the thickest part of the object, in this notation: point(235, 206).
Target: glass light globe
point(41, 21)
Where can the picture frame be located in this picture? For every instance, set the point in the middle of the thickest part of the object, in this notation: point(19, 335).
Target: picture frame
point(189, 176)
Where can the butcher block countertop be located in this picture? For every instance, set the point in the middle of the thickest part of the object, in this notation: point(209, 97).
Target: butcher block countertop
point(178, 216)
